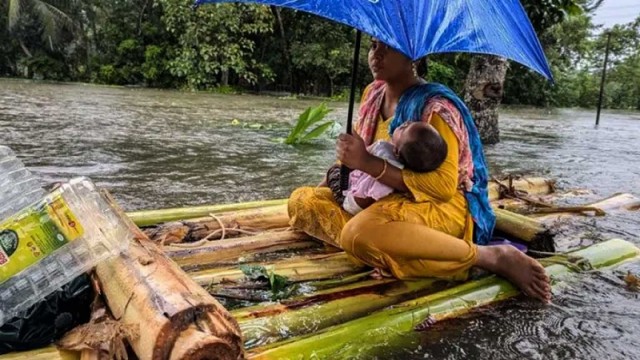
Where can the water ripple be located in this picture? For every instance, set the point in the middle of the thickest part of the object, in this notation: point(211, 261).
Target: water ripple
point(156, 149)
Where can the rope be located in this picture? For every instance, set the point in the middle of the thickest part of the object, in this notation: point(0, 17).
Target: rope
point(222, 227)
point(190, 245)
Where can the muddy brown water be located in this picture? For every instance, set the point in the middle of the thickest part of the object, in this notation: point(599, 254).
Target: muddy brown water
point(156, 149)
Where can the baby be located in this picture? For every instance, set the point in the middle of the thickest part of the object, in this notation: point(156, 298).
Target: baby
point(414, 145)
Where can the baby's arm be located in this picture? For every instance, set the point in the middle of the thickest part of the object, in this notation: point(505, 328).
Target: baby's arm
point(364, 202)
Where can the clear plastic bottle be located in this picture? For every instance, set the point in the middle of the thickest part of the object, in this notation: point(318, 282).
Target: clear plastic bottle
point(18, 187)
point(52, 241)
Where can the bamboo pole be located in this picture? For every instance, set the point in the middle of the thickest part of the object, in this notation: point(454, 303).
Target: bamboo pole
point(198, 343)
point(615, 202)
point(194, 344)
point(216, 251)
point(395, 326)
point(522, 227)
point(273, 217)
point(144, 288)
point(513, 205)
point(152, 217)
point(304, 268)
point(93, 355)
point(313, 313)
point(340, 281)
point(46, 353)
point(308, 299)
point(530, 186)
point(214, 227)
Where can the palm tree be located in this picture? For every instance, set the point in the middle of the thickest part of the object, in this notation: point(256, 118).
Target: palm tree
point(52, 14)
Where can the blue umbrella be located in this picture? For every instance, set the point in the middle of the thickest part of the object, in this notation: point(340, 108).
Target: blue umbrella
point(418, 28)
point(422, 27)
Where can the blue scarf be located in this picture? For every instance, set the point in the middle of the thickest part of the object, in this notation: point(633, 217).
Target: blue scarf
point(411, 107)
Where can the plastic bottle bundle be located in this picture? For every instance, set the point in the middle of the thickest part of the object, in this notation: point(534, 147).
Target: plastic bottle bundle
point(50, 242)
point(18, 187)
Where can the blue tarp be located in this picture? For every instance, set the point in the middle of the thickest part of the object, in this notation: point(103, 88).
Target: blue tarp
point(422, 27)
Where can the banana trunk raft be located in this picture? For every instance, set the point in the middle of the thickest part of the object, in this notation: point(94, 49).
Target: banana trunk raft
point(234, 281)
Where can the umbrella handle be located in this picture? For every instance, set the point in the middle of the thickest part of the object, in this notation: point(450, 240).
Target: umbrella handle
point(344, 171)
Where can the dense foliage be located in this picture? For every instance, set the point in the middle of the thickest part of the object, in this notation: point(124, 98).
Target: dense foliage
point(166, 43)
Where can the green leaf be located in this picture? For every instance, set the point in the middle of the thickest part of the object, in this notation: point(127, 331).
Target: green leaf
point(277, 282)
point(308, 118)
point(299, 127)
point(317, 114)
point(574, 10)
point(255, 272)
point(318, 131)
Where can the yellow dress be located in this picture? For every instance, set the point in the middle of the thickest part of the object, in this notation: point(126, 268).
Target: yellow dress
point(427, 233)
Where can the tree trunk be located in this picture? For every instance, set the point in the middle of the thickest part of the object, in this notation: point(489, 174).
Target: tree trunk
point(330, 86)
point(25, 49)
point(224, 77)
point(87, 44)
point(483, 92)
point(285, 46)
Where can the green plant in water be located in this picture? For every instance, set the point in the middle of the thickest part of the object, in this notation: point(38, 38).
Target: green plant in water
point(302, 133)
point(278, 284)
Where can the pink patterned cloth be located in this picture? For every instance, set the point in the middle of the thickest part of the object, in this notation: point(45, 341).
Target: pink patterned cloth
point(370, 113)
point(363, 185)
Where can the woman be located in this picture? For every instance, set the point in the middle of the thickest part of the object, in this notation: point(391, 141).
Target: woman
point(426, 228)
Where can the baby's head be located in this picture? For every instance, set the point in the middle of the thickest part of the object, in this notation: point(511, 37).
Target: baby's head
point(419, 146)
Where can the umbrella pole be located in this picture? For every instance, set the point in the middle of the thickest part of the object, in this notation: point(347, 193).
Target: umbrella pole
point(344, 171)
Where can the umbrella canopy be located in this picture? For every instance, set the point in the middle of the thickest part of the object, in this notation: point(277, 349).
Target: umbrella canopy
point(422, 27)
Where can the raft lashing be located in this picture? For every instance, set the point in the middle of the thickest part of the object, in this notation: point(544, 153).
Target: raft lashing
point(288, 296)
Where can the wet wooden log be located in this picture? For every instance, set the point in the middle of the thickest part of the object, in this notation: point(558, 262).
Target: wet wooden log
point(498, 189)
point(310, 313)
point(622, 201)
point(521, 227)
point(396, 326)
point(227, 224)
point(153, 217)
point(211, 252)
point(276, 217)
point(302, 268)
point(46, 353)
point(144, 288)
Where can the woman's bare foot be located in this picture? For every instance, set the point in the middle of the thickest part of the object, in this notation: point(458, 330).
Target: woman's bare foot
point(523, 271)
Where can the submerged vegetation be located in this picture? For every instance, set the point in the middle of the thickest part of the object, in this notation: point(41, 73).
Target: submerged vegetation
point(302, 132)
point(309, 126)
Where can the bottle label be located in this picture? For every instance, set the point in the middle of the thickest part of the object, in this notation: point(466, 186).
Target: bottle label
point(34, 233)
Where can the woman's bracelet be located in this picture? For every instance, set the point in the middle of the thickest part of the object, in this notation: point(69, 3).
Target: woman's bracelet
point(384, 170)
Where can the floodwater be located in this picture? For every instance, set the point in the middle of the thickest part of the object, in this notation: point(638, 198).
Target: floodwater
point(156, 149)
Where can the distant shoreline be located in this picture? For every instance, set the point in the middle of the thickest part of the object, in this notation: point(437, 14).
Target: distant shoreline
point(273, 94)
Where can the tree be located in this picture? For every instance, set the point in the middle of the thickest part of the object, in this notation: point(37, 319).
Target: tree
point(568, 47)
point(330, 58)
point(52, 15)
point(164, 43)
point(216, 42)
point(484, 87)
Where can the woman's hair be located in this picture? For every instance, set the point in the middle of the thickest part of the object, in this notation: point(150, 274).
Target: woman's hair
point(424, 151)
